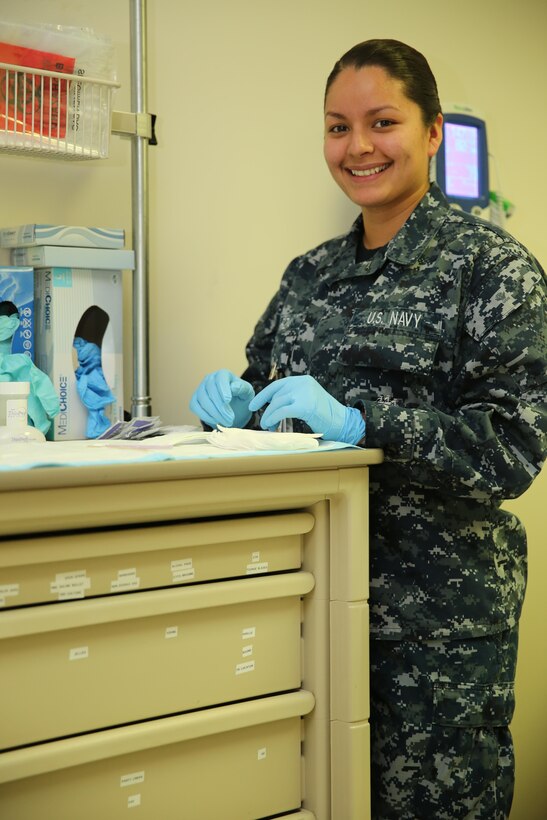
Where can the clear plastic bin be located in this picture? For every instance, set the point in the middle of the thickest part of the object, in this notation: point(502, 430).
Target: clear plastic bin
point(53, 113)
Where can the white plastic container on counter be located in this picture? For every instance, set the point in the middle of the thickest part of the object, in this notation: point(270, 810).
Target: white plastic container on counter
point(14, 424)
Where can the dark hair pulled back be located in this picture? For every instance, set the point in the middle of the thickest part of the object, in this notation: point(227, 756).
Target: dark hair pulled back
point(400, 61)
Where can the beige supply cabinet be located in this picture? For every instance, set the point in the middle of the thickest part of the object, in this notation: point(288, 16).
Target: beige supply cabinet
point(186, 639)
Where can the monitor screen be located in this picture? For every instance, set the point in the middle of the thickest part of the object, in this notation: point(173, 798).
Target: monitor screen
point(462, 161)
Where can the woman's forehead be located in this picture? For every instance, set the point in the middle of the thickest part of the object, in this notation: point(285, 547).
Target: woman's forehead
point(372, 86)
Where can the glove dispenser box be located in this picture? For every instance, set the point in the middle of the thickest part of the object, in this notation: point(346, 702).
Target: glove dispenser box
point(250, 752)
point(50, 568)
point(64, 296)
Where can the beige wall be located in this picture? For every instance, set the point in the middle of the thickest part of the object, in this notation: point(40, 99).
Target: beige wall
point(238, 187)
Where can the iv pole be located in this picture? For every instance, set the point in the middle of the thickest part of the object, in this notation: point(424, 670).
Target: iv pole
point(139, 125)
point(140, 400)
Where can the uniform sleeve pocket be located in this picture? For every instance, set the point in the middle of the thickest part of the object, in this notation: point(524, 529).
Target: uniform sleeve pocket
point(469, 704)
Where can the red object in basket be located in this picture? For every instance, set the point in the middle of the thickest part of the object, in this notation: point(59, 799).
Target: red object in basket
point(31, 103)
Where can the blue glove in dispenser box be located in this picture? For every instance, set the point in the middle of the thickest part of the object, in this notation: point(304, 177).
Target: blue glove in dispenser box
point(17, 291)
point(78, 302)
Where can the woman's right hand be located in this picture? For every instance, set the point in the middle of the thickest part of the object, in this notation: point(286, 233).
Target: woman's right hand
point(223, 398)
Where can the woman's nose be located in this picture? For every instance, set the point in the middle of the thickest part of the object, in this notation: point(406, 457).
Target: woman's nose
point(361, 143)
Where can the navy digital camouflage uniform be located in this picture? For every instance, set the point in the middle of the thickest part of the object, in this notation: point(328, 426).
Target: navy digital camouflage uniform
point(440, 340)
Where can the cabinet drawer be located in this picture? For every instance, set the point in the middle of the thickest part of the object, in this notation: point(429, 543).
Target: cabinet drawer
point(237, 762)
point(103, 562)
point(108, 661)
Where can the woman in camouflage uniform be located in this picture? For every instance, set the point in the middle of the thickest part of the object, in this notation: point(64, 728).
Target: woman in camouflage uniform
point(422, 332)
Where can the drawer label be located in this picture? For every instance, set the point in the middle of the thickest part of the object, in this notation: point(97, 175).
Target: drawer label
point(79, 653)
point(70, 595)
point(131, 779)
point(127, 580)
point(79, 575)
point(172, 632)
point(8, 591)
point(242, 668)
point(255, 557)
point(185, 563)
point(249, 632)
point(133, 800)
point(247, 651)
point(127, 573)
point(255, 569)
point(262, 753)
point(187, 574)
point(68, 585)
point(182, 570)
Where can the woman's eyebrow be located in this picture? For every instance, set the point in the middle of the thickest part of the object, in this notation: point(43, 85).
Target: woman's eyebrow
point(369, 112)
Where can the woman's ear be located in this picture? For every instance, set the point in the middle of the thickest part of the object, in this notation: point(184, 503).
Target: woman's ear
point(435, 136)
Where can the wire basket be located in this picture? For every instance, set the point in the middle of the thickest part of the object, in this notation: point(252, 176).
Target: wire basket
point(55, 114)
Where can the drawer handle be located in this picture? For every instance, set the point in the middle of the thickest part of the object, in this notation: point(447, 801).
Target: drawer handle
point(72, 614)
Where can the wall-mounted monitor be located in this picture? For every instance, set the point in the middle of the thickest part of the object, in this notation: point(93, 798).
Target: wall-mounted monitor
point(462, 161)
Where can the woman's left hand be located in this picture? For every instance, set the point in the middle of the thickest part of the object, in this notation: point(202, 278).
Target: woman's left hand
point(302, 397)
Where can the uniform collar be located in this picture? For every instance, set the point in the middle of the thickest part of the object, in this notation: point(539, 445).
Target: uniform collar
point(423, 223)
point(405, 247)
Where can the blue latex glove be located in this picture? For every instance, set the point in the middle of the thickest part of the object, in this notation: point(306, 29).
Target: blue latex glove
point(43, 401)
point(302, 397)
point(8, 326)
point(92, 386)
point(223, 398)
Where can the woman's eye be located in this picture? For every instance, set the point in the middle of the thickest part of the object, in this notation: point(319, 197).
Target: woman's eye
point(383, 123)
point(338, 129)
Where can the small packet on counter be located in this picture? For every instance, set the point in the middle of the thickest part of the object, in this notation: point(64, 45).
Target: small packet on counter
point(236, 438)
point(136, 428)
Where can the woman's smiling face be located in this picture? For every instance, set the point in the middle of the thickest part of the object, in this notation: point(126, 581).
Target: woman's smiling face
point(376, 145)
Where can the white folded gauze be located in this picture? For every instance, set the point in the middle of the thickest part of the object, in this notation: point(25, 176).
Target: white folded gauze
point(235, 438)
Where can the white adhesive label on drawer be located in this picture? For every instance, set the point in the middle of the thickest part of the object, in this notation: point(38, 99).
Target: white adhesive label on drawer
point(182, 570)
point(127, 580)
point(133, 800)
point(249, 632)
point(187, 574)
point(131, 779)
point(255, 557)
point(183, 563)
point(127, 573)
point(262, 753)
point(172, 632)
point(69, 585)
point(247, 651)
point(79, 653)
point(71, 596)
point(243, 668)
point(8, 591)
point(255, 569)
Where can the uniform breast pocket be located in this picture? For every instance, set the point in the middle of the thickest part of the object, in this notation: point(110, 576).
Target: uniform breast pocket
point(388, 351)
point(389, 363)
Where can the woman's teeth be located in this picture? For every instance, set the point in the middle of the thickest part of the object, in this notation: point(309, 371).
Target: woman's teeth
point(369, 172)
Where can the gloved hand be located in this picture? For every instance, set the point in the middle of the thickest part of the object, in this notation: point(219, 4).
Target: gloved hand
point(302, 397)
point(223, 398)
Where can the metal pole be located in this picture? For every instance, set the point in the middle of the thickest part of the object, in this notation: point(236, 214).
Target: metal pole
point(141, 400)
